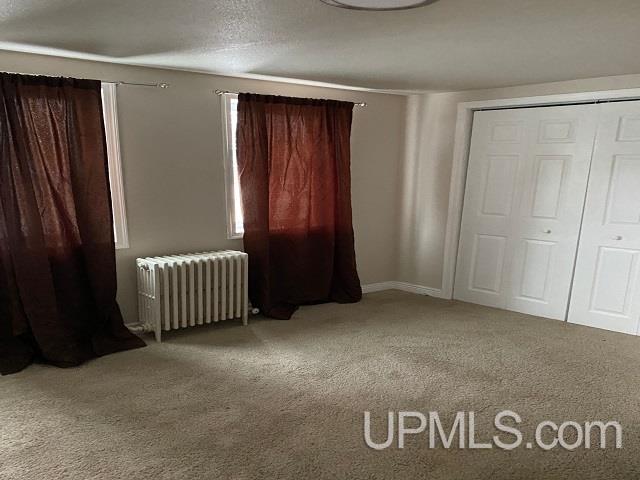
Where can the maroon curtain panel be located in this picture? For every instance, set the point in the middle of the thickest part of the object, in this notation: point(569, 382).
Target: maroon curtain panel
point(57, 252)
point(295, 178)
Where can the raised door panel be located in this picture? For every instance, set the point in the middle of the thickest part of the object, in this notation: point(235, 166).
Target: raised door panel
point(614, 281)
point(548, 183)
point(487, 260)
point(623, 199)
point(506, 132)
point(556, 130)
point(537, 270)
point(628, 128)
point(499, 184)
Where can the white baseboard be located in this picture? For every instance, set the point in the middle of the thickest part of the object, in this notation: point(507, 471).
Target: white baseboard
point(378, 287)
point(404, 286)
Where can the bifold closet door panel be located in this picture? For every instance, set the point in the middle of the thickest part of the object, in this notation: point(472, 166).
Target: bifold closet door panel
point(526, 182)
point(498, 144)
point(605, 291)
point(551, 203)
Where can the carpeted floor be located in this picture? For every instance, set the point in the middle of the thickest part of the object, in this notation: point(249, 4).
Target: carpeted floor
point(285, 400)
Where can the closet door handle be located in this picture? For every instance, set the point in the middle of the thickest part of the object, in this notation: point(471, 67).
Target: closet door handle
point(546, 231)
point(618, 237)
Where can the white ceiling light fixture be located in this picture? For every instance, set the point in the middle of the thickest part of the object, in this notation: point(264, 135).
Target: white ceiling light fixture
point(378, 5)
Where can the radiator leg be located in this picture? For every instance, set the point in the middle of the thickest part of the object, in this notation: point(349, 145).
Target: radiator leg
point(157, 330)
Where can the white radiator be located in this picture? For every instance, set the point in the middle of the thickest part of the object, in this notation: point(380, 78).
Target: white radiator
point(181, 291)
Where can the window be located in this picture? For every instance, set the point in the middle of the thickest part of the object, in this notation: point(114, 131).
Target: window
point(110, 113)
point(235, 227)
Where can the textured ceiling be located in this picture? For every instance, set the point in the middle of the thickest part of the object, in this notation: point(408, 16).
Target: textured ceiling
point(450, 45)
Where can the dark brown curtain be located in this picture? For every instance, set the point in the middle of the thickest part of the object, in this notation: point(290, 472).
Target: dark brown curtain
point(294, 164)
point(57, 254)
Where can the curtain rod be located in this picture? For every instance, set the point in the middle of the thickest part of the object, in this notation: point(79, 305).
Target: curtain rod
point(117, 82)
point(227, 92)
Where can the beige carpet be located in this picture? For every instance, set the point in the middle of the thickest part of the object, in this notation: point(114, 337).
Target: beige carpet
point(285, 400)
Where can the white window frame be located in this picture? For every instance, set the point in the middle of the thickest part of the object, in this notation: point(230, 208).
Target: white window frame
point(235, 227)
point(110, 115)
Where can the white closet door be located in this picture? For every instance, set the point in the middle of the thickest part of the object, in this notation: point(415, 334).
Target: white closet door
point(526, 181)
point(605, 292)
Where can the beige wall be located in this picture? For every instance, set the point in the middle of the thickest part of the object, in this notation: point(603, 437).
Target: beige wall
point(171, 140)
point(425, 177)
point(172, 162)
